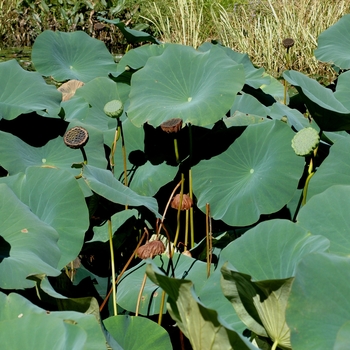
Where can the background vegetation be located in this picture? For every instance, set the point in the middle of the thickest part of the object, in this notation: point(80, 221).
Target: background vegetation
point(256, 27)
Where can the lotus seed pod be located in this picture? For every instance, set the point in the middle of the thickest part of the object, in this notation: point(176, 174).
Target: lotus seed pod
point(114, 108)
point(76, 137)
point(288, 42)
point(186, 202)
point(305, 141)
point(172, 125)
point(150, 249)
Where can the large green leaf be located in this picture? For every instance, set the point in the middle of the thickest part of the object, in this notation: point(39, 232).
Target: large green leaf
point(71, 56)
point(137, 58)
point(272, 249)
point(258, 174)
point(334, 170)
point(211, 296)
point(56, 198)
point(183, 83)
point(101, 233)
point(26, 326)
point(130, 284)
point(23, 92)
point(327, 214)
point(97, 93)
point(261, 305)
point(106, 185)
point(150, 178)
point(123, 328)
point(329, 113)
point(16, 155)
point(319, 306)
point(28, 245)
point(334, 44)
point(200, 325)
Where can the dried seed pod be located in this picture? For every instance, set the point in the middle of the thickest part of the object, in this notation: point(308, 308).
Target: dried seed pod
point(172, 125)
point(186, 202)
point(288, 42)
point(150, 249)
point(76, 137)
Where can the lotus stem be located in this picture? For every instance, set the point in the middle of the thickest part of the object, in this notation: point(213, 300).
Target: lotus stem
point(113, 148)
point(191, 210)
point(208, 237)
point(122, 272)
point(186, 229)
point(177, 157)
point(274, 346)
point(167, 206)
point(190, 185)
point(120, 126)
point(140, 294)
point(160, 317)
point(179, 211)
point(110, 232)
point(84, 155)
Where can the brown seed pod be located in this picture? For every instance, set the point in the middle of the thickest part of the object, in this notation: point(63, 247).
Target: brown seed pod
point(150, 250)
point(172, 125)
point(288, 42)
point(76, 137)
point(186, 202)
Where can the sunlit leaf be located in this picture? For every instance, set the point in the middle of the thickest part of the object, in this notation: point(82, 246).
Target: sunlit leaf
point(23, 92)
point(73, 55)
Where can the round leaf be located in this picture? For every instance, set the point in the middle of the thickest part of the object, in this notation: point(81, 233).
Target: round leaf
point(32, 243)
point(334, 46)
point(149, 334)
point(106, 185)
point(201, 325)
point(327, 214)
point(25, 326)
point(23, 92)
point(129, 286)
point(183, 83)
point(329, 113)
point(55, 197)
point(72, 55)
point(272, 249)
point(258, 174)
point(319, 305)
point(334, 170)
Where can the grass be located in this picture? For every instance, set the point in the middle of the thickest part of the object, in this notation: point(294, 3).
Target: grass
point(255, 27)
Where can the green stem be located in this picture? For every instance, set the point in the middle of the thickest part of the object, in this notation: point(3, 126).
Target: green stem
point(110, 232)
point(122, 272)
point(179, 212)
point(306, 188)
point(160, 317)
point(191, 209)
point(140, 294)
point(120, 126)
point(84, 155)
point(190, 185)
point(176, 151)
point(274, 346)
point(113, 148)
point(186, 230)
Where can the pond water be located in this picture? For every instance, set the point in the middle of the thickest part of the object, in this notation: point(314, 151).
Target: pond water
point(21, 54)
